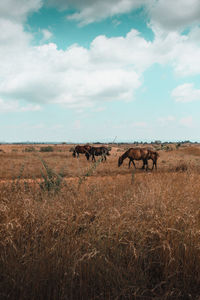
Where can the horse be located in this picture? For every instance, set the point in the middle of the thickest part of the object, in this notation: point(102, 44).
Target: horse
point(97, 151)
point(83, 150)
point(135, 154)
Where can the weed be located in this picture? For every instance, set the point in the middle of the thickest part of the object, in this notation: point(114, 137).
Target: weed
point(51, 180)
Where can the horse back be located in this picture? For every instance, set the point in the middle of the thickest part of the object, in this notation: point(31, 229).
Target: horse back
point(99, 151)
point(138, 153)
point(82, 149)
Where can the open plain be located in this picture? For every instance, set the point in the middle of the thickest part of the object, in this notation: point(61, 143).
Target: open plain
point(74, 229)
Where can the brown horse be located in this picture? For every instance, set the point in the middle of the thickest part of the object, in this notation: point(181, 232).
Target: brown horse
point(97, 151)
point(82, 150)
point(135, 154)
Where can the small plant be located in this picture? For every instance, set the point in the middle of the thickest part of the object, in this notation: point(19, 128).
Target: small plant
point(46, 149)
point(51, 180)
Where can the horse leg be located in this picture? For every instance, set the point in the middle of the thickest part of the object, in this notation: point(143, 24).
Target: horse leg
point(134, 163)
point(147, 166)
point(143, 164)
point(155, 164)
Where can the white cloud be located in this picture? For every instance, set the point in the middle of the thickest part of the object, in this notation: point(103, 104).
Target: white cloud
point(36, 126)
point(98, 10)
point(56, 126)
point(131, 125)
point(17, 10)
point(30, 107)
point(116, 22)
point(89, 11)
point(166, 120)
point(182, 52)
point(186, 93)
point(166, 15)
point(110, 70)
point(46, 34)
point(187, 122)
point(77, 125)
point(73, 77)
point(174, 15)
point(14, 106)
point(133, 51)
point(99, 109)
point(138, 125)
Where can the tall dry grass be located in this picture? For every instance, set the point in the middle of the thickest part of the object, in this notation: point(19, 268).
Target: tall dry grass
point(116, 237)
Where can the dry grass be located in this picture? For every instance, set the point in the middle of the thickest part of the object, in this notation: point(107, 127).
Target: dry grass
point(114, 236)
point(192, 150)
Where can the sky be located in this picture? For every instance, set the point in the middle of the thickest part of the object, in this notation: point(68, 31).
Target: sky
point(99, 70)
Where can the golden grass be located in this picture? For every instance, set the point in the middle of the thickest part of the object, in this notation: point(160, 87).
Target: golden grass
point(191, 150)
point(114, 236)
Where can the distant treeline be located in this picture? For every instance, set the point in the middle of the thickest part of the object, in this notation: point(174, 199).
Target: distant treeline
point(100, 143)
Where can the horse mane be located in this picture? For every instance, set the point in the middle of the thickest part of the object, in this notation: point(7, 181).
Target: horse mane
point(125, 154)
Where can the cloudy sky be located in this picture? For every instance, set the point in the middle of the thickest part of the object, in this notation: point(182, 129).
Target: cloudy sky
point(96, 70)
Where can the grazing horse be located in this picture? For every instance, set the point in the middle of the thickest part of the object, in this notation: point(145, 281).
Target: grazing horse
point(97, 151)
point(135, 154)
point(83, 150)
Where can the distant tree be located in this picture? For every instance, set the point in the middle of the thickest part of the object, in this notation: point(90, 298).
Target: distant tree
point(157, 142)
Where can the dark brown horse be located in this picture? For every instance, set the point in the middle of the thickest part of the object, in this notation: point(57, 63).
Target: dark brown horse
point(85, 149)
point(135, 154)
point(99, 151)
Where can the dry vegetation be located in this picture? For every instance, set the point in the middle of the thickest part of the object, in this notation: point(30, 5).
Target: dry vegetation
point(103, 232)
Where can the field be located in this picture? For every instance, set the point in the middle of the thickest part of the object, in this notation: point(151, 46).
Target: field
point(73, 229)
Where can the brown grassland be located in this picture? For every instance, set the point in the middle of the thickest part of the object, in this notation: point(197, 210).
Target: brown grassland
point(97, 231)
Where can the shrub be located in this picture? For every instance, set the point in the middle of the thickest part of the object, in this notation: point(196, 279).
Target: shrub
point(46, 149)
point(29, 149)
